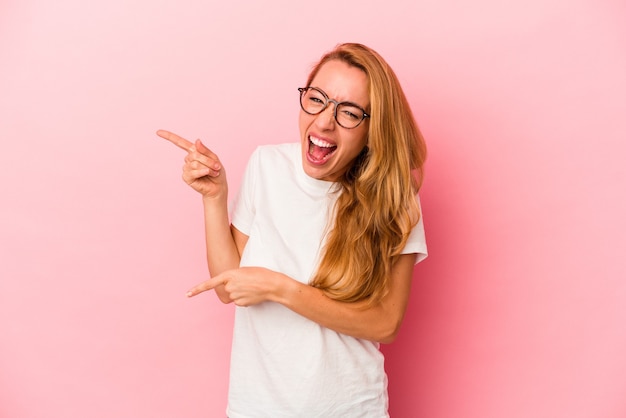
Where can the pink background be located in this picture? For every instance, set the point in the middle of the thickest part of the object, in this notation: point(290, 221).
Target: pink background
point(520, 311)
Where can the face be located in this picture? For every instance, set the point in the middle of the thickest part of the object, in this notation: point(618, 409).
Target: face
point(329, 150)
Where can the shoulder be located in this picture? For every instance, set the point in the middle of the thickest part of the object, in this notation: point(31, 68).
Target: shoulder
point(277, 151)
point(276, 157)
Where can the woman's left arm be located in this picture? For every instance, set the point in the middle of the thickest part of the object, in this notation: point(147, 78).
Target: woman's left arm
point(379, 322)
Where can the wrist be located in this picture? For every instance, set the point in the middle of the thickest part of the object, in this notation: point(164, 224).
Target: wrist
point(213, 200)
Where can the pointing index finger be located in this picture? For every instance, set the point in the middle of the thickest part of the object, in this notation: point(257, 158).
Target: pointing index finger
point(179, 141)
point(204, 286)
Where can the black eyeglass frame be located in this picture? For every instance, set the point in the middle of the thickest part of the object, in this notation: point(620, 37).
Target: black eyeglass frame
point(302, 90)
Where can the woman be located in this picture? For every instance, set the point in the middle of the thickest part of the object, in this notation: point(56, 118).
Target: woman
point(320, 252)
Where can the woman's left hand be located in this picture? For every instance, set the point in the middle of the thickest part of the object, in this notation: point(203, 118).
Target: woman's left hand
point(246, 286)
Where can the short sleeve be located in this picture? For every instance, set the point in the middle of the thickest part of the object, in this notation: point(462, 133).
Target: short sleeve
point(416, 244)
point(243, 207)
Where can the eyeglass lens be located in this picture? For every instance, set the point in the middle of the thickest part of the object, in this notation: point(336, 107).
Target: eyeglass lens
point(313, 101)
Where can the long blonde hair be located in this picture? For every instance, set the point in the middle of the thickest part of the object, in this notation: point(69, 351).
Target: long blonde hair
point(377, 207)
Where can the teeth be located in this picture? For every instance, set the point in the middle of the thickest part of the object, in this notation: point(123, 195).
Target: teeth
point(320, 142)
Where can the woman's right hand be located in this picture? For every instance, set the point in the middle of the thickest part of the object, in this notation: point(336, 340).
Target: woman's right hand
point(202, 170)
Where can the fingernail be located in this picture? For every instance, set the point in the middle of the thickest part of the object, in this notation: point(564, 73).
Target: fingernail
point(189, 294)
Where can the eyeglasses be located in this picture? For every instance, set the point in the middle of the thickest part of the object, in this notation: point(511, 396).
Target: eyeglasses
point(348, 115)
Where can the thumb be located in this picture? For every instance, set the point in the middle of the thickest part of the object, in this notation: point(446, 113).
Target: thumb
point(202, 149)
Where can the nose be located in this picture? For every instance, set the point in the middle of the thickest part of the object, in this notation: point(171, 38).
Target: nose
point(326, 119)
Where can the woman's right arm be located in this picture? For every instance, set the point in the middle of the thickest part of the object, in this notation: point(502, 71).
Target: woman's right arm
point(204, 173)
point(224, 242)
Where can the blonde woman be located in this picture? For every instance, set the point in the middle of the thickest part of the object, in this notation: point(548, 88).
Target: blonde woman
point(320, 252)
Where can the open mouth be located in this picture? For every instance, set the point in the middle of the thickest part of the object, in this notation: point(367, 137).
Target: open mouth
point(320, 150)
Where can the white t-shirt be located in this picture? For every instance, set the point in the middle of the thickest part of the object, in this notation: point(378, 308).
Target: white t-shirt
point(282, 364)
